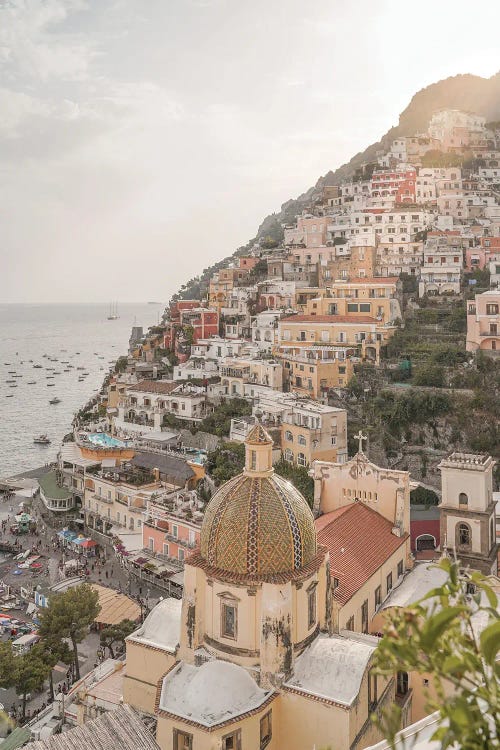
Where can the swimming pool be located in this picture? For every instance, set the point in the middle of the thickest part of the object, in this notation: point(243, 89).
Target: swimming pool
point(103, 440)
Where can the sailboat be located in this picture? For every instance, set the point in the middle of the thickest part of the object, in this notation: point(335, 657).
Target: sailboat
point(113, 311)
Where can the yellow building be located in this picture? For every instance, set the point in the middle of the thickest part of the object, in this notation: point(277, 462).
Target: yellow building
point(362, 331)
point(249, 659)
point(312, 371)
point(314, 432)
point(375, 297)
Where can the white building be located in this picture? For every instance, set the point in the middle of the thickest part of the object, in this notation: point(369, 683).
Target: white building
point(264, 328)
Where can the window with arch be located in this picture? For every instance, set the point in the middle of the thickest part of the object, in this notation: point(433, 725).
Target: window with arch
point(288, 436)
point(464, 535)
point(302, 440)
point(463, 499)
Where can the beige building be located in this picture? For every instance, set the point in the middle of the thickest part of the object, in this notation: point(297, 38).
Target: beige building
point(483, 323)
point(364, 520)
point(468, 517)
point(236, 373)
point(251, 660)
point(377, 297)
point(362, 331)
point(313, 431)
point(313, 371)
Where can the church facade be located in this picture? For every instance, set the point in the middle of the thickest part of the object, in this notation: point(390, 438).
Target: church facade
point(252, 657)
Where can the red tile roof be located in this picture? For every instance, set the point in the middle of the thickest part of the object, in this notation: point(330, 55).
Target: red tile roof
point(360, 541)
point(328, 319)
point(154, 386)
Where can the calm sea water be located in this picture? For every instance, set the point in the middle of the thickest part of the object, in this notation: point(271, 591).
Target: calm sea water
point(79, 334)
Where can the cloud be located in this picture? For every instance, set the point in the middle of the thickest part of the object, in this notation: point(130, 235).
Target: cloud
point(33, 43)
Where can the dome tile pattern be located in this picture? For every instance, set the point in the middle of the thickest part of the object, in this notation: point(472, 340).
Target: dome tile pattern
point(258, 525)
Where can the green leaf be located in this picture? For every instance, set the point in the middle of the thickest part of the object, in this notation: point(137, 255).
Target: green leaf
point(437, 624)
point(492, 597)
point(490, 642)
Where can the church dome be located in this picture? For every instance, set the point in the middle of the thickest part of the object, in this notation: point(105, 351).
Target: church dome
point(258, 524)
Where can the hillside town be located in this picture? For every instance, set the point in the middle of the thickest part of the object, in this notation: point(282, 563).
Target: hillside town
point(277, 467)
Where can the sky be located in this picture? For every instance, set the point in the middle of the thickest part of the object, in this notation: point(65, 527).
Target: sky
point(142, 140)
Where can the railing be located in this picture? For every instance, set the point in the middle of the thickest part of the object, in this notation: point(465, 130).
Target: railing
point(103, 499)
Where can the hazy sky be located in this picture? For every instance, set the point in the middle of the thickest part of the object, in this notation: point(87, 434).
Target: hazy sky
point(141, 140)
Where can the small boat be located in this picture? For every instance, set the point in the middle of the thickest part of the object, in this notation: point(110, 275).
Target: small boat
point(37, 367)
point(9, 395)
point(13, 386)
point(31, 382)
point(41, 440)
point(51, 385)
point(7, 364)
point(57, 372)
point(113, 311)
point(49, 377)
point(18, 376)
point(11, 372)
point(80, 368)
point(55, 400)
point(10, 381)
point(80, 379)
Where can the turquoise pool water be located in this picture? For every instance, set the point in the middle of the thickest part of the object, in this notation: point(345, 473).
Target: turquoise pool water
point(105, 441)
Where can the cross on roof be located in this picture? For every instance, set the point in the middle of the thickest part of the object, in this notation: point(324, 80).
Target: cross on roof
point(360, 437)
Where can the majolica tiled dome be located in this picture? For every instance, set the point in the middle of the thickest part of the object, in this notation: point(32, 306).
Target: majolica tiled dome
point(258, 523)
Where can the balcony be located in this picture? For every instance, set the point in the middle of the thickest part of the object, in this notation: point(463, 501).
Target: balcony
point(103, 499)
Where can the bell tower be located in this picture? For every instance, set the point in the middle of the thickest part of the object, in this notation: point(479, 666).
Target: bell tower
point(468, 520)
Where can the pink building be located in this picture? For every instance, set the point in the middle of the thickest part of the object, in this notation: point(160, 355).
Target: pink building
point(309, 232)
point(169, 535)
point(483, 323)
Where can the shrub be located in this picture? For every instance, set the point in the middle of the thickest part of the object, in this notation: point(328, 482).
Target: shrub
point(299, 477)
point(432, 375)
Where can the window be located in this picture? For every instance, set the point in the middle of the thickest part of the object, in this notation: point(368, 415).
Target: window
point(289, 436)
point(232, 741)
point(334, 440)
point(402, 683)
point(365, 307)
point(302, 440)
point(464, 535)
point(266, 729)
point(378, 596)
point(389, 582)
point(463, 499)
point(229, 621)
point(350, 624)
point(311, 607)
point(166, 549)
point(364, 617)
point(182, 740)
point(253, 460)
point(301, 460)
point(372, 690)
point(288, 455)
point(175, 531)
point(180, 554)
point(400, 569)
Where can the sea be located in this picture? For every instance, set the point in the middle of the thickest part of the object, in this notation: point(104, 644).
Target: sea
point(62, 337)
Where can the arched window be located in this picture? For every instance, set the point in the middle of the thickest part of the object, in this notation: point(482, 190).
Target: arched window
point(463, 499)
point(288, 436)
point(464, 535)
point(301, 440)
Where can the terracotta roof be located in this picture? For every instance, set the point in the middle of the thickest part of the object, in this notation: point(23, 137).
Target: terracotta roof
point(329, 319)
point(258, 435)
point(154, 386)
point(360, 541)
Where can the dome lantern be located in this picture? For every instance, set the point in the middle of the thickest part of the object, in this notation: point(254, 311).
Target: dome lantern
point(258, 451)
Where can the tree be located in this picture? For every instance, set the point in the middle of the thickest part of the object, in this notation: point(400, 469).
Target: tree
point(439, 635)
point(54, 650)
point(25, 672)
point(114, 635)
point(432, 375)
point(69, 615)
point(225, 462)
point(298, 476)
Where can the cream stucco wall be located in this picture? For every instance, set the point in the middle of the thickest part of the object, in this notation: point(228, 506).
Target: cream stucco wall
point(145, 667)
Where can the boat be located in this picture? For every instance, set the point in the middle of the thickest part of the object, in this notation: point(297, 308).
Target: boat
point(9, 395)
point(51, 385)
point(113, 311)
point(41, 440)
point(10, 381)
point(80, 368)
point(37, 367)
point(7, 364)
point(31, 382)
point(55, 400)
point(11, 372)
point(80, 379)
point(13, 386)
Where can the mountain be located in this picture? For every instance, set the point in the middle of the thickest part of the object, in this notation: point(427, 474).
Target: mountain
point(466, 92)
